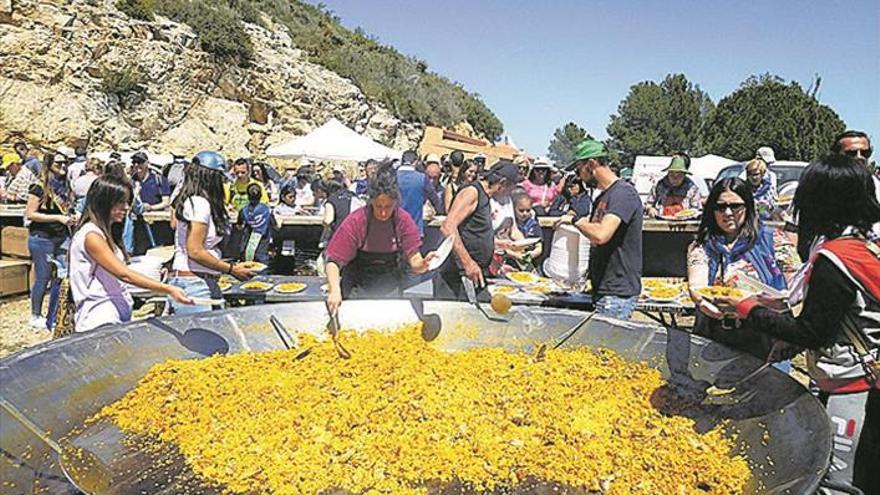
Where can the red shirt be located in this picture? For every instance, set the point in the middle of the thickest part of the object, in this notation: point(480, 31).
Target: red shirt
point(351, 236)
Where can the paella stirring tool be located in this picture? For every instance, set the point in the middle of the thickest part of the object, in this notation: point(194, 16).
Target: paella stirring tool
point(333, 328)
point(83, 468)
point(716, 391)
point(431, 323)
point(285, 337)
point(471, 292)
point(539, 356)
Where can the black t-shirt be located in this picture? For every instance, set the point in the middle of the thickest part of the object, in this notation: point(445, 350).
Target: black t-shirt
point(616, 266)
point(49, 207)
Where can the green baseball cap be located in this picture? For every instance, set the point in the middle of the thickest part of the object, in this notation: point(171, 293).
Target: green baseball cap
point(589, 148)
point(678, 164)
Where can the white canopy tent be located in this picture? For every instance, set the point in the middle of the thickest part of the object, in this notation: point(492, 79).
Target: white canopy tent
point(333, 141)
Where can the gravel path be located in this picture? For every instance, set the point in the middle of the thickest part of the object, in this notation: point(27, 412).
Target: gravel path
point(15, 334)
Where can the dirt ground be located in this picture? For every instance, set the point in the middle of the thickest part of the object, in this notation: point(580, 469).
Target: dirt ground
point(15, 334)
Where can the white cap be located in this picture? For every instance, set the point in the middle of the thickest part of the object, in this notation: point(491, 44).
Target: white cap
point(432, 158)
point(766, 153)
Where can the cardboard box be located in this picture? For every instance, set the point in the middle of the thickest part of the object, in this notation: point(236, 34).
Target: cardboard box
point(15, 242)
point(14, 277)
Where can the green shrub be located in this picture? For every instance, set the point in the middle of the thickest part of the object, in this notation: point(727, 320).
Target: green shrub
point(136, 9)
point(402, 84)
point(122, 82)
point(219, 28)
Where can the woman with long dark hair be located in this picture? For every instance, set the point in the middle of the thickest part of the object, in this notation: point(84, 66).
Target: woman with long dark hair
point(261, 175)
point(572, 200)
point(365, 257)
point(202, 223)
point(467, 174)
point(49, 214)
point(731, 240)
point(839, 323)
point(98, 269)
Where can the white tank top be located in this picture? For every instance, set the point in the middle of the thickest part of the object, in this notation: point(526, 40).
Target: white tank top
point(100, 297)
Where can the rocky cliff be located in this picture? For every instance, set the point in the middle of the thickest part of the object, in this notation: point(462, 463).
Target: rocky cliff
point(56, 55)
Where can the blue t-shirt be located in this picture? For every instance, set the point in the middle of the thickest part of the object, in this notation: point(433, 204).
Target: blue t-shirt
point(153, 188)
point(415, 188)
point(530, 228)
point(616, 266)
point(256, 217)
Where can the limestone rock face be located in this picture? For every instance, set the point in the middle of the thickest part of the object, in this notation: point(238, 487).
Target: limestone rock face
point(56, 55)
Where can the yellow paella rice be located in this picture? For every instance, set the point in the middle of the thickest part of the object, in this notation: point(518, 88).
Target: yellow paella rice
point(719, 290)
point(400, 414)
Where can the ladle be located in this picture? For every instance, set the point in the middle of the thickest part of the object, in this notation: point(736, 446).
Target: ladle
point(431, 324)
point(716, 391)
point(471, 292)
point(542, 350)
point(82, 467)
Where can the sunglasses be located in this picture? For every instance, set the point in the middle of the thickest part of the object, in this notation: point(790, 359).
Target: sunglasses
point(733, 207)
point(863, 153)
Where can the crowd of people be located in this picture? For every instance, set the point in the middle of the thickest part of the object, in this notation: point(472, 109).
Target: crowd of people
point(86, 219)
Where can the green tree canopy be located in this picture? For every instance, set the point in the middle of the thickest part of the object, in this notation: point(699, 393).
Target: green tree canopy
point(659, 118)
point(565, 140)
point(765, 111)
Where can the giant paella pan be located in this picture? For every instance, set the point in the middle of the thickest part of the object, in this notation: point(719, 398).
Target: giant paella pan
point(64, 385)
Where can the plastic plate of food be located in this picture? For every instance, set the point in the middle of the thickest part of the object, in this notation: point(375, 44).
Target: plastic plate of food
point(226, 283)
point(524, 278)
point(255, 266)
point(290, 287)
point(255, 286)
point(531, 241)
point(714, 291)
point(664, 294)
point(502, 289)
point(687, 214)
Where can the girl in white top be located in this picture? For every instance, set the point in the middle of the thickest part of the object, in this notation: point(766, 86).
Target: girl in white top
point(98, 264)
point(201, 222)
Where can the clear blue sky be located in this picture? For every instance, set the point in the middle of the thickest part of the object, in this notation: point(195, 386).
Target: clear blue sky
point(541, 64)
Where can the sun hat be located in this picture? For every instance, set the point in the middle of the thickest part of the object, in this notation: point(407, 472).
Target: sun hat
point(589, 148)
point(678, 164)
point(10, 158)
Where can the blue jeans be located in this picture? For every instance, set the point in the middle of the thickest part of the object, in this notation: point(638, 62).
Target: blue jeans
point(44, 250)
point(194, 287)
point(617, 307)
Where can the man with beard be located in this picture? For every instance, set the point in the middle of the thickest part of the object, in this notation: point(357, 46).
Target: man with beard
point(857, 144)
point(615, 231)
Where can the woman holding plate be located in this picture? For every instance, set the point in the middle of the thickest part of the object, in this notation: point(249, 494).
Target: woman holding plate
point(731, 240)
point(366, 254)
point(202, 223)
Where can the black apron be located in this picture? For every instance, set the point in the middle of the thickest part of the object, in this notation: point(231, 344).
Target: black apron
point(374, 275)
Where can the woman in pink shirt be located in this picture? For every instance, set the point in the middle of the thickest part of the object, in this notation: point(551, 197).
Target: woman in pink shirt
point(540, 188)
point(365, 255)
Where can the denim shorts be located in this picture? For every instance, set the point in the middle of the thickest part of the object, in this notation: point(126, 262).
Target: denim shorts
point(194, 287)
point(617, 307)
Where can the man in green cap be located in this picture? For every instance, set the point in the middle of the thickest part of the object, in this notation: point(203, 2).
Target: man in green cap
point(675, 192)
point(615, 232)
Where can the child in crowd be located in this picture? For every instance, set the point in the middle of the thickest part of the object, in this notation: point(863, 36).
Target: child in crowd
point(255, 219)
point(524, 259)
